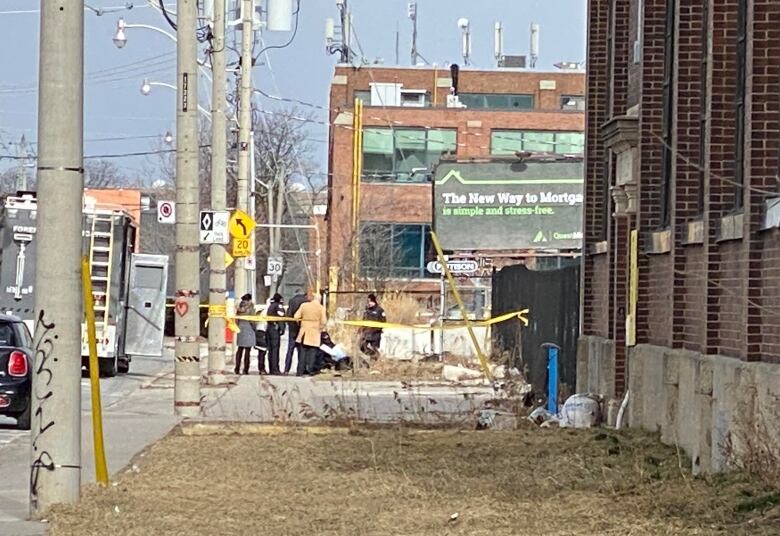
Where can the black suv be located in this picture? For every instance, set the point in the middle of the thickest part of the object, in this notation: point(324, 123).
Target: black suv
point(15, 370)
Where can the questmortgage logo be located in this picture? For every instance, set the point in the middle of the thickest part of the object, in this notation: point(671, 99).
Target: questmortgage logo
point(576, 235)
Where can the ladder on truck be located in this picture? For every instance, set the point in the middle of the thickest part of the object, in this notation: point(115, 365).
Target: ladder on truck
point(101, 254)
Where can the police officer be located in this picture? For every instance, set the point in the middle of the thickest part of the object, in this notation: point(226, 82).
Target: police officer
point(275, 332)
point(372, 336)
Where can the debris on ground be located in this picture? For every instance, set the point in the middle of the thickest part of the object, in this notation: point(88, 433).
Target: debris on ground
point(581, 411)
point(330, 481)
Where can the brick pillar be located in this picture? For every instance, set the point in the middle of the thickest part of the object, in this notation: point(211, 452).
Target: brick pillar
point(596, 185)
point(650, 151)
point(688, 303)
point(763, 150)
point(719, 192)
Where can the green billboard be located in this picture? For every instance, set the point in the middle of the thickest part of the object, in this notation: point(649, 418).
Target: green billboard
point(508, 205)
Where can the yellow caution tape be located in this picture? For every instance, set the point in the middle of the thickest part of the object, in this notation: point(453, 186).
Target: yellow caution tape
point(520, 315)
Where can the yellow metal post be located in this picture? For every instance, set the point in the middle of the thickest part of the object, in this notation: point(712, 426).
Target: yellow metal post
point(357, 172)
point(451, 280)
point(101, 470)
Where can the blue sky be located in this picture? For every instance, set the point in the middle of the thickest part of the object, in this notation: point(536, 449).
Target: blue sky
point(119, 119)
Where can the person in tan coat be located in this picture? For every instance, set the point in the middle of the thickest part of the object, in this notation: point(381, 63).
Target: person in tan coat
point(312, 317)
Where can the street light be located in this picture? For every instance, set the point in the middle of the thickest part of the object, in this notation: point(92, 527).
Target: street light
point(168, 139)
point(146, 90)
point(120, 37)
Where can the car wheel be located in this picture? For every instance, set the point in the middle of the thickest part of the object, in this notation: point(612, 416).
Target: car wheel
point(123, 366)
point(23, 419)
point(107, 367)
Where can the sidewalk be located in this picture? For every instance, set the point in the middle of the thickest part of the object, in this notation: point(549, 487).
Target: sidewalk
point(129, 424)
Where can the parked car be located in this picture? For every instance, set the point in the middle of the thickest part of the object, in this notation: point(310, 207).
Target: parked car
point(15, 370)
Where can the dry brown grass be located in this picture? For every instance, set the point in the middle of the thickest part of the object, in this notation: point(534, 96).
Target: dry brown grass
point(398, 482)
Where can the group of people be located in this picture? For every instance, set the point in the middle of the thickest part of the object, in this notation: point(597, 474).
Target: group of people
point(304, 320)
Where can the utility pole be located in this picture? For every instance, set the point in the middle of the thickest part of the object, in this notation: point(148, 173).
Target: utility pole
point(244, 133)
point(55, 470)
point(217, 268)
point(413, 16)
point(346, 30)
point(21, 172)
point(186, 308)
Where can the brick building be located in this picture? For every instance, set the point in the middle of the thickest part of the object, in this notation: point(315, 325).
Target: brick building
point(407, 125)
point(682, 155)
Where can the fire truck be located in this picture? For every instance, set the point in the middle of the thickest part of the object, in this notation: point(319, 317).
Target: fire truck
point(128, 288)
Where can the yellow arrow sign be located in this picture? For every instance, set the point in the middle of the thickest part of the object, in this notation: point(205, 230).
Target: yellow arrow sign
point(228, 259)
point(241, 225)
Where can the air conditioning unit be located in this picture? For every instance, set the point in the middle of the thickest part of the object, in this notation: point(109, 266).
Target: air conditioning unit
point(512, 62)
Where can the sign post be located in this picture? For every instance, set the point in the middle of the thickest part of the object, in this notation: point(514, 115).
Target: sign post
point(214, 227)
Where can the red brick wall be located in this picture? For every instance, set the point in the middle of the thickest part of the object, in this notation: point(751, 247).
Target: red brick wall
point(722, 296)
point(690, 298)
point(469, 81)
point(769, 312)
point(730, 300)
point(598, 306)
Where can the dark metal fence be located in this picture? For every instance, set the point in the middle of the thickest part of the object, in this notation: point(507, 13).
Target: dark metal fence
point(552, 296)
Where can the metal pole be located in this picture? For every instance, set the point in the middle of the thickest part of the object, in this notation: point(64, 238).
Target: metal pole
point(187, 325)
point(244, 132)
point(55, 472)
point(442, 310)
point(414, 36)
point(252, 274)
point(217, 269)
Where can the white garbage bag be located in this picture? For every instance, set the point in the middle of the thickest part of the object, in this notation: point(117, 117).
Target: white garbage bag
point(581, 411)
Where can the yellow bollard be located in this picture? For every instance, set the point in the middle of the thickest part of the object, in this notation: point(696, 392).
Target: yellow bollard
point(101, 471)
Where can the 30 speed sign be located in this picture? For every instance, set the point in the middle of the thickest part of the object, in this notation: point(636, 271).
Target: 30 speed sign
point(274, 266)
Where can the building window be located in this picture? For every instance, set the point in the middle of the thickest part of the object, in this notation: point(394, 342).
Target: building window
point(395, 250)
point(703, 109)
point(508, 142)
point(667, 157)
point(497, 101)
point(364, 95)
point(393, 95)
point(739, 149)
point(404, 154)
point(573, 103)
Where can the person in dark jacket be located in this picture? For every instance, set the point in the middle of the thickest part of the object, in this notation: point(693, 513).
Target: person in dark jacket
point(275, 331)
point(293, 328)
point(371, 336)
point(246, 334)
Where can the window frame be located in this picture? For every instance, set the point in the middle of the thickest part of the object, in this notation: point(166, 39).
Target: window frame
point(578, 98)
point(371, 175)
point(486, 106)
point(394, 230)
point(554, 133)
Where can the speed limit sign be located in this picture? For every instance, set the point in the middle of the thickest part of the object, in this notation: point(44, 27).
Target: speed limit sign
point(166, 212)
point(274, 266)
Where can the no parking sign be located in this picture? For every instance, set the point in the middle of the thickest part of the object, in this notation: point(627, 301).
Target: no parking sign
point(166, 212)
